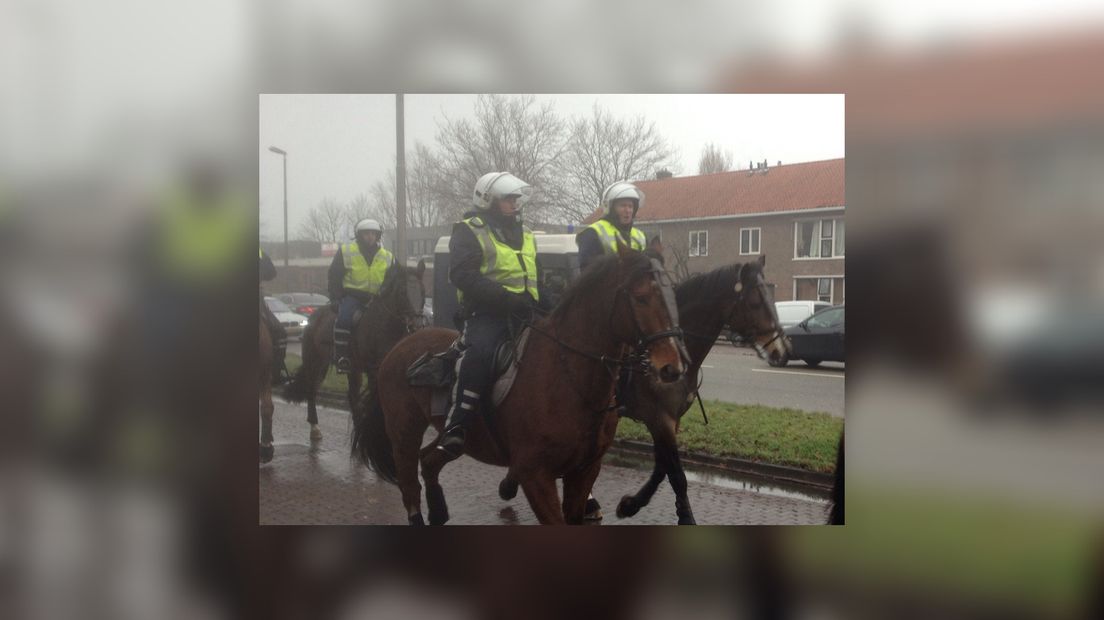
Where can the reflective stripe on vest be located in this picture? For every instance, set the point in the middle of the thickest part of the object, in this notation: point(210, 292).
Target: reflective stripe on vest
point(515, 270)
point(201, 243)
point(359, 275)
point(608, 234)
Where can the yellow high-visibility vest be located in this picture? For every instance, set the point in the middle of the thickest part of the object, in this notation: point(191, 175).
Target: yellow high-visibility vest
point(515, 270)
point(359, 275)
point(608, 234)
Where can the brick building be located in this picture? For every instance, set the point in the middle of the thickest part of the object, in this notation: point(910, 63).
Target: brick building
point(793, 214)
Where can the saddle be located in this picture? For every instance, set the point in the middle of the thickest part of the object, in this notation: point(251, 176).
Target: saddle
point(438, 371)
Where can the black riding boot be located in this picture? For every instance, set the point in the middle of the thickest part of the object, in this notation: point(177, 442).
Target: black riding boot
point(464, 403)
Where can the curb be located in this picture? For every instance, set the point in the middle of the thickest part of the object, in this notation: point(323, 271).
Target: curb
point(792, 475)
point(815, 481)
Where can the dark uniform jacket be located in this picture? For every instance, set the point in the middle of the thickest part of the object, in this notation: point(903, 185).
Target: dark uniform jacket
point(590, 247)
point(483, 295)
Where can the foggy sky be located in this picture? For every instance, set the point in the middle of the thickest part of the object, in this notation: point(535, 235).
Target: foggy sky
point(340, 145)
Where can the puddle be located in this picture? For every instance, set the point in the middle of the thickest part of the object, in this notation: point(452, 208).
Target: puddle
point(727, 479)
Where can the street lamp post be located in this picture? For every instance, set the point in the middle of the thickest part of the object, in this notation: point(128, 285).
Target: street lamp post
point(283, 153)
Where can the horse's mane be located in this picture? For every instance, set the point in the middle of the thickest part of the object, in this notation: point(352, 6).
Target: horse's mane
point(594, 275)
point(720, 281)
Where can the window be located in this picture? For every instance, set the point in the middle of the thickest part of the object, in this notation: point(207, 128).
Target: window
point(749, 241)
point(824, 289)
point(827, 319)
point(819, 238)
point(699, 243)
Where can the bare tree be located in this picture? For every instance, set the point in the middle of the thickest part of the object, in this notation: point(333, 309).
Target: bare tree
point(513, 134)
point(359, 208)
point(326, 222)
point(603, 149)
point(714, 159)
point(425, 204)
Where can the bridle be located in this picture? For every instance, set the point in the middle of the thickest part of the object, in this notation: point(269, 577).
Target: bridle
point(639, 356)
point(410, 319)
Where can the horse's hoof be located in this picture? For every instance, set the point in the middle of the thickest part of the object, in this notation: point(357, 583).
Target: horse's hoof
point(267, 453)
point(416, 519)
point(316, 433)
point(507, 489)
point(593, 510)
point(687, 520)
point(627, 507)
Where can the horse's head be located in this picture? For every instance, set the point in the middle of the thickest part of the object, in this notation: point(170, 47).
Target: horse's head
point(404, 294)
point(753, 315)
point(645, 315)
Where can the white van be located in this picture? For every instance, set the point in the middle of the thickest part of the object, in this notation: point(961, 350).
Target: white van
point(791, 313)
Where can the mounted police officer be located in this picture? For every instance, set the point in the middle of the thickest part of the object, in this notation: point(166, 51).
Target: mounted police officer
point(621, 201)
point(355, 277)
point(493, 264)
point(279, 334)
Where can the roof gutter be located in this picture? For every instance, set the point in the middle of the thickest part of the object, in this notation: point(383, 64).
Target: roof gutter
point(743, 215)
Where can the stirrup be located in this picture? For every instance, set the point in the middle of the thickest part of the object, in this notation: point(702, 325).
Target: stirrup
point(344, 366)
point(452, 445)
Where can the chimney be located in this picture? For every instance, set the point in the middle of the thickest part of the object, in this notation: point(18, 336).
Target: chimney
point(664, 174)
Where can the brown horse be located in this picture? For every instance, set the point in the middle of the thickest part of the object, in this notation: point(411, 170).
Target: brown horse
point(391, 315)
point(556, 421)
point(266, 370)
point(734, 296)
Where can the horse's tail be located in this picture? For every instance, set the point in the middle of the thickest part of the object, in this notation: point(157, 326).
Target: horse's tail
point(301, 385)
point(370, 443)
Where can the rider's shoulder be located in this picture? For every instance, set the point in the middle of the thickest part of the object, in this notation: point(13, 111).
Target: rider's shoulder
point(475, 221)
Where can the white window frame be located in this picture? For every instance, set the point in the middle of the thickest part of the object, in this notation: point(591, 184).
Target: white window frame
point(758, 241)
point(817, 238)
point(832, 286)
point(696, 250)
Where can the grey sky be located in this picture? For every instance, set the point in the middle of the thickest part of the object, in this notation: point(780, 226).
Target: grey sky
point(340, 145)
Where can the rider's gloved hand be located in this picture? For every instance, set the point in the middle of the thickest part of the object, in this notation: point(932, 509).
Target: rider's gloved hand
point(518, 303)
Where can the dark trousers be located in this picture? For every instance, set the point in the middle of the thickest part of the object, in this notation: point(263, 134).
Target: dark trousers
point(343, 326)
point(475, 368)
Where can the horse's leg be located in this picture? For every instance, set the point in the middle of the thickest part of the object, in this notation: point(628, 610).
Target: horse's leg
point(677, 477)
point(432, 463)
point(577, 486)
point(317, 362)
point(631, 504)
point(405, 445)
point(540, 490)
point(508, 488)
point(266, 421)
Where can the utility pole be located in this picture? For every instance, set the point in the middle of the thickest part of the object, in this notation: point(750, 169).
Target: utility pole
point(282, 152)
point(400, 182)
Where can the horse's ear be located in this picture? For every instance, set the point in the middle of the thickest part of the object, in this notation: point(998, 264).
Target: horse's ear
point(421, 268)
point(623, 250)
point(762, 260)
point(656, 245)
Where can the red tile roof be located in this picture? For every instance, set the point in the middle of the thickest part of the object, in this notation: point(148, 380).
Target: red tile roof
point(781, 188)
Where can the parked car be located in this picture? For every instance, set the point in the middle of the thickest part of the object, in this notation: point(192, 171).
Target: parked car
point(304, 303)
point(292, 322)
point(817, 339)
point(791, 313)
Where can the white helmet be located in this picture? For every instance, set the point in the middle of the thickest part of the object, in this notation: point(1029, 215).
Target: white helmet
point(494, 185)
point(622, 189)
point(368, 224)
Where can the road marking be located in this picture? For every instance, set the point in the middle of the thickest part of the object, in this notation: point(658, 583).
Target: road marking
point(798, 372)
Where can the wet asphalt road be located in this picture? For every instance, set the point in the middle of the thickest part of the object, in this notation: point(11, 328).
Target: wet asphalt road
point(737, 375)
point(317, 483)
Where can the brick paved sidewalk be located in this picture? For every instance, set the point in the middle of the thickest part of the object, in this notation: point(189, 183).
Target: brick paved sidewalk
point(320, 484)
